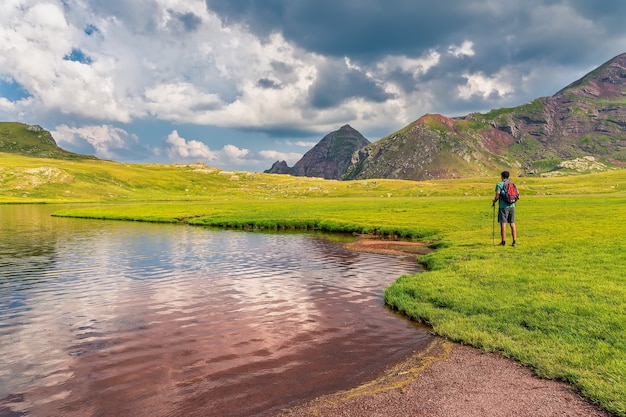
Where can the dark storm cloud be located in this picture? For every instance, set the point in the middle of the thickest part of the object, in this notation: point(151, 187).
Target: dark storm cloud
point(562, 31)
point(336, 83)
point(609, 13)
point(356, 28)
point(285, 132)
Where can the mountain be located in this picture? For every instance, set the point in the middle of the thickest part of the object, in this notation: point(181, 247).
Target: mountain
point(588, 117)
point(328, 159)
point(434, 146)
point(23, 139)
point(581, 128)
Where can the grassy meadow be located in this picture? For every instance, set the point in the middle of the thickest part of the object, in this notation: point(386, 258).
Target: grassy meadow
point(556, 302)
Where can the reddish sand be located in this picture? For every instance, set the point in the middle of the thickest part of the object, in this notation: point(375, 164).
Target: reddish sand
point(451, 380)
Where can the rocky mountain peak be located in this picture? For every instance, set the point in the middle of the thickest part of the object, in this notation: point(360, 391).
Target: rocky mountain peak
point(607, 81)
point(431, 120)
point(328, 159)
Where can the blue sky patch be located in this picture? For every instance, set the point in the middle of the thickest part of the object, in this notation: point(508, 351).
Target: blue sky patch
point(12, 91)
point(78, 56)
point(91, 29)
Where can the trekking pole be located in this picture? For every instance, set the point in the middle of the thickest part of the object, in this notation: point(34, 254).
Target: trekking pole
point(493, 224)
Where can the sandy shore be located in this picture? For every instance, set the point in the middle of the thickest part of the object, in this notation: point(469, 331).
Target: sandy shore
point(449, 380)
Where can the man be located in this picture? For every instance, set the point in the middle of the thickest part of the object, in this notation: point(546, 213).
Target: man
point(506, 211)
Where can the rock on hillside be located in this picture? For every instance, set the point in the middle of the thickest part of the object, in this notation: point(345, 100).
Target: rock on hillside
point(329, 159)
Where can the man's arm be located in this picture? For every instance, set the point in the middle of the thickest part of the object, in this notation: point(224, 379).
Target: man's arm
point(496, 198)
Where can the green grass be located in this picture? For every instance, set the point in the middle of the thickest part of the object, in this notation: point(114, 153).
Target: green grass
point(556, 302)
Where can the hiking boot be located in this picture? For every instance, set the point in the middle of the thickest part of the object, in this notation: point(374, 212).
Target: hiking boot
point(503, 243)
point(514, 243)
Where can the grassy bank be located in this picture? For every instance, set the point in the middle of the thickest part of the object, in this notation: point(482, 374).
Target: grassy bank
point(556, 302)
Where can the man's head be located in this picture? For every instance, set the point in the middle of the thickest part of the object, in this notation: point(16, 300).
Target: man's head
point(505, 175)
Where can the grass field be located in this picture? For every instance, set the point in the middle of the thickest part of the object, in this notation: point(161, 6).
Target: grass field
point(556, 302)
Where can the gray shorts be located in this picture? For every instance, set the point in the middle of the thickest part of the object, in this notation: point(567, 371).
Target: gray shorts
point(506, 215)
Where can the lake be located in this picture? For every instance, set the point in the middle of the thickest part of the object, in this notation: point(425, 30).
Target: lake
point(105, 318)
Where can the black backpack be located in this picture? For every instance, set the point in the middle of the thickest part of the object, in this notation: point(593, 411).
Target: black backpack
point(509, 193)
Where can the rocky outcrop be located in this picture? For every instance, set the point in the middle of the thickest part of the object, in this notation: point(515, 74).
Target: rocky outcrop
point(329, 159)
point(279, 167)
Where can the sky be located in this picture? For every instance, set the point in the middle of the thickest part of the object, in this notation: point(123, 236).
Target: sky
point(240, 84)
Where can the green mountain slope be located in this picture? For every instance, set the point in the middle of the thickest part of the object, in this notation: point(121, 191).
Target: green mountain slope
point(23, 139)
point(432, 147)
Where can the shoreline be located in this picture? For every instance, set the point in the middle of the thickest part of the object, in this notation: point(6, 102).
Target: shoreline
point(386, 246)
point(452, 380)
point(448, 379)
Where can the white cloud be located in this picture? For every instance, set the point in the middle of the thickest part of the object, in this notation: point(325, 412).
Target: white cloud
point(415, 66)
point(145, 65)
point(234, 153)
point(107, 140)
point(465, 49)
point(302, 143)
point(290, 157)
point(480, 85)
point(179, 102)
point(209, 75)
point(179, 148)
point(46, 16)
point(34, 43)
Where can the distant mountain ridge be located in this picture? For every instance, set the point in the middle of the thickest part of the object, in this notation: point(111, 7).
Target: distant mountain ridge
point(581, 128)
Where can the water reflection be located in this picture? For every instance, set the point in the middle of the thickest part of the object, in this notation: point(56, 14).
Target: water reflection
point(121, 318)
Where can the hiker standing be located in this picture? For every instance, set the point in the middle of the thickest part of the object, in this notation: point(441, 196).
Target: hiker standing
point(506, 209)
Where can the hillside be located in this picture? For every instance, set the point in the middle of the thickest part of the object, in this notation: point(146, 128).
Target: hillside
point(580, 129)
point(588, 117)
point(23, 139)
point(433, 146)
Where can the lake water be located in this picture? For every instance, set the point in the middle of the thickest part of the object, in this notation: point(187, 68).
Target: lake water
point(104, 318)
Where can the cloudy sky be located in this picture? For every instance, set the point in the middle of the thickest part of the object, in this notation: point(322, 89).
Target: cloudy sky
point(239, 84)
